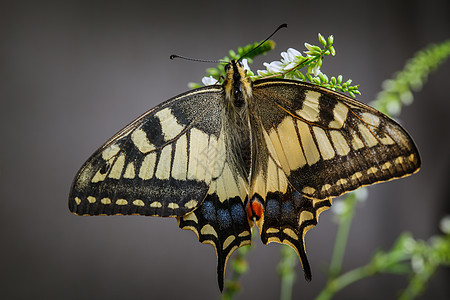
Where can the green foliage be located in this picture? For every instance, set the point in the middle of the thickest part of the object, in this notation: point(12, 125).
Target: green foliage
point(242, 52)
point(399, 90)
point(416, 258)
point(425, 258)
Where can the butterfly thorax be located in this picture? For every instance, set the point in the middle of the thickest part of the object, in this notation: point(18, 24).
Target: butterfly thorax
point(237, 85)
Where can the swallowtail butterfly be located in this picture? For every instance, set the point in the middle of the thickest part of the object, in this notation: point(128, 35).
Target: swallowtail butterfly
point(221, 158)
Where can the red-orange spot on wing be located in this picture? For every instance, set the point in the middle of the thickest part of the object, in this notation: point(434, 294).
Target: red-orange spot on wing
point(254, 209)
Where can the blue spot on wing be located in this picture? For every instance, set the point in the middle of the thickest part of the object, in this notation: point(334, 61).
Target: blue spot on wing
point(238, 214)
point(209, 211)
point(272, 209)
point(224, 218)
point(287, 211)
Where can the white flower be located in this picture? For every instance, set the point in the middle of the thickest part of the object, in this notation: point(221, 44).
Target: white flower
point(444, 225)
point(209, 80)
point(393, 107)
point(274, 67)
point(290, 66)
point(309, 46)
point(316, 70)
point(247, 68)
point(417, 263)
point(291, 58)
point(339, 207)
point(263, 73)
point(245, 64)
point(291, 55)
point(362, 194)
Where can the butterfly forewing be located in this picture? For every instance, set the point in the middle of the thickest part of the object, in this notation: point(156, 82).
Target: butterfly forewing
point(161, 164)
point(328, 144)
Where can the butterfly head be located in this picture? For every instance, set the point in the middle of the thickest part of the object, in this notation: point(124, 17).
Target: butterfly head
point(237, 85)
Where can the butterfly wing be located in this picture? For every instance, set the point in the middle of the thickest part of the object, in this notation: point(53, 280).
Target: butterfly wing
point(161, 164)
point(173, 161)
point(315, 144)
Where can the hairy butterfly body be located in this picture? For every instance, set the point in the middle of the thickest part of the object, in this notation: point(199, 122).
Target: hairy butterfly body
point(221, 158)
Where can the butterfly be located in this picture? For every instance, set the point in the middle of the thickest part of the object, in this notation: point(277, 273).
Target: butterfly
point(225, 157)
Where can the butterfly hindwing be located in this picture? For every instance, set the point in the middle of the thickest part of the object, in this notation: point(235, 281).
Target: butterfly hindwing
point(287, 218)
point(328, 144)
point(161, 164)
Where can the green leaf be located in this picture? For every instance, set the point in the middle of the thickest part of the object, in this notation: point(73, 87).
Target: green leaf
point(330, 40)
point(322, 40)
point(332, 51)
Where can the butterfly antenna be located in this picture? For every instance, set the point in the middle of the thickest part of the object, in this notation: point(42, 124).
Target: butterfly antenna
point(173, 56)
point(260, 44)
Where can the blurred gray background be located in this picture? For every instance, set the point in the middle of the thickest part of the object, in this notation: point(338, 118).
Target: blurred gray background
point(72, 73)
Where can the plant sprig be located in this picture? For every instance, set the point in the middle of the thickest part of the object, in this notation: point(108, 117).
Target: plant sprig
point(399, 90)
point(293, 61)
point(293, 65)
point(417, 258)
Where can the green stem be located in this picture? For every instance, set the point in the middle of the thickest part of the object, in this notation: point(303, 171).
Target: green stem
point(239, 266)
point(286, 269)
point(342, 236)
point(335, 285)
